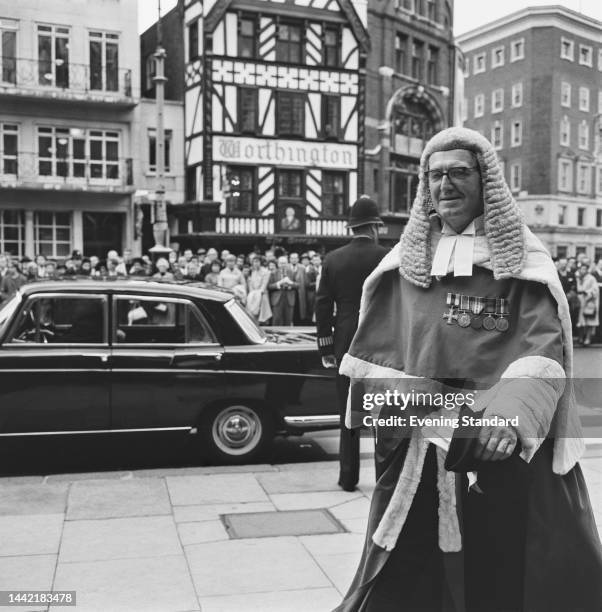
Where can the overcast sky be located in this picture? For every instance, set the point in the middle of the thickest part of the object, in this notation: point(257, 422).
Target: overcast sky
point(469, 14)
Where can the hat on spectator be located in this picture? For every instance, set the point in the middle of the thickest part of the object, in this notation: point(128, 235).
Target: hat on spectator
point(363, 212)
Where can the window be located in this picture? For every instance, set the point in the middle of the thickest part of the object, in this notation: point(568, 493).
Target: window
point(600, 102)
point(333, 194)
point(516, 136)
point(9, 148)
point(599, 181)
point(52, 234)
point(517, 50)
point(598, 221)
point(562, 214)
point(584, 177)
point(584, 135)
point(150, 72)
point(565, 175)
point(580, 215)
point(290, 183)
point(247, 37)
point(515, 177)
point(401, 51)
point(567, 49)
point(561, 251)
point(464, 109)
point(479, 105)
point(104, 61)
point(584, 99)
point(497, 57)
point(8, 51)
point(497, 101)
point(479, 63)
point(431, 10)
point(417, 59)
point(63, 319)
point(75, 153)
point(466, 67)
point(290, 113)
point(12, 232)
point(247, 110)
point(159, 320)
point(565, 94)
point(240, 189)
point(565, 132)
point(600, 59)
point(585, 55)
point(53, 56)
point(497, 135)
point(517, 95)
point(331, 55)
point(432, 65)
point(331, 116)
point(288, 43)
point(152, 150)
point(193, 40)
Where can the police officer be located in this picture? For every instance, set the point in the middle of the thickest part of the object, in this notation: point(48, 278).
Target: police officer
point(337, 306)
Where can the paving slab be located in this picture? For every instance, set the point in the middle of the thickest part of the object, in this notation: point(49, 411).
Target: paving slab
point(119, 538)
point(129, 585)
point(333, 544)
point(204, 531)
point(35, 534)
point(215, 489)
point(4, 480)
point(200, 471)
point(96, 499)
point(33, 498)
point(291, 522)
point(27, 573)
point(355, 525)
point(79, 476)
point(320, 499)
point(355, 508)
point(212, 512)
point(340, 569)
point(316, 600)
point(253, 566)
point(308, 480)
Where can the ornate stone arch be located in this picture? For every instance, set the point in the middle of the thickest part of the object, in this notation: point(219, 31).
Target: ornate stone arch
point(411, 96)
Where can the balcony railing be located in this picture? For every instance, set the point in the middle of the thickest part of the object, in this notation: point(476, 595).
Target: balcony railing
point(265, 225)
point(64, 80)
point(31, 170)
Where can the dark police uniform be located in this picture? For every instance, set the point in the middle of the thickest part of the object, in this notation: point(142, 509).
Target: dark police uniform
point(343, 274)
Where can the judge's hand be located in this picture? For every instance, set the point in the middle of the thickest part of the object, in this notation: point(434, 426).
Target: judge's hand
point(495, 443)
point(329, 361)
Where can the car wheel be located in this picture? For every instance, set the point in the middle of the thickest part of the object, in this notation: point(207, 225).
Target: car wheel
point(237, 433)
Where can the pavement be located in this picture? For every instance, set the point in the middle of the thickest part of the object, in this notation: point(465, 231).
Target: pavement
point(258, 538)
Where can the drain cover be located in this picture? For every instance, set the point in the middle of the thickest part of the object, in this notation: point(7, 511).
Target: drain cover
point(287, 523)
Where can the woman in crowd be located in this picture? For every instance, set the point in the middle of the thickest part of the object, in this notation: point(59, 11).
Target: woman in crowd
point(212, 277)
point(232, 278)
point(589, 298)
point(258, 303)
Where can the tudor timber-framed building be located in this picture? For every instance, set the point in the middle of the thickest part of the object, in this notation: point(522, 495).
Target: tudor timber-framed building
point(274, 121)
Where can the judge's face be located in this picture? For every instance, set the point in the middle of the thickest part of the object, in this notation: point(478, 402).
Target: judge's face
point(458, 200)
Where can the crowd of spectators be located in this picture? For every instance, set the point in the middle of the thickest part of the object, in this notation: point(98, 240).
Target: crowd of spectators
point(582, 284)
point(278, 288)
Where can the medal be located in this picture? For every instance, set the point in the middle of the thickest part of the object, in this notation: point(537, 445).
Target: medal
point(476, 307)
point(501, 324)
point(463, 316)
point(489, 320)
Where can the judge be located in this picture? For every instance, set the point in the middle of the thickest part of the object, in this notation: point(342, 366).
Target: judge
point(469, 302)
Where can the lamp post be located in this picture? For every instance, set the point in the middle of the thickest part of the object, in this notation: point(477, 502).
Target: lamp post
point(160, 221)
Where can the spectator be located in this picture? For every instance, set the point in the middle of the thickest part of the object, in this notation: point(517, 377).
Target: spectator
point(11, 281)
point(258, 303)
point(137, 268)
point(209, 259)
point(193, 271)
point(86, 267)
point(589, 298)
point(188, 255)
point(232, 278)
point(212, 277)
point(298, 276)
point(282, 293)
point(163, 272)
point(312, 271)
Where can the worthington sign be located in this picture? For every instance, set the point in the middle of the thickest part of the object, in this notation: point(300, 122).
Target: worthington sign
point(284, 152)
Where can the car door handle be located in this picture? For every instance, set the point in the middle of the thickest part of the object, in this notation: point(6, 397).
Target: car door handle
point(102, 356)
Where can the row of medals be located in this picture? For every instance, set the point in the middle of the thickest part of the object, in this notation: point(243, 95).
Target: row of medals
point(477, 312)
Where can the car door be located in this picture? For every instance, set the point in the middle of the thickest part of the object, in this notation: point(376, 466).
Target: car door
point(54, 370)
point(166, 363)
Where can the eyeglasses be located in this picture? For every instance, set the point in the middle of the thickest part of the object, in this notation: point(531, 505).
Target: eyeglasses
point(459, 173)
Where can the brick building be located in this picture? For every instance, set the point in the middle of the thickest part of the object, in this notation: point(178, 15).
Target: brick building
point(410, 96)
point(533, 86)
point(68, 97)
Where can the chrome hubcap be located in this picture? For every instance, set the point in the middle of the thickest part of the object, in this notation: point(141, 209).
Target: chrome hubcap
point(237, 430)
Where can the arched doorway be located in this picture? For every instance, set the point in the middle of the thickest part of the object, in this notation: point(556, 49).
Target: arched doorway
point(414, 117)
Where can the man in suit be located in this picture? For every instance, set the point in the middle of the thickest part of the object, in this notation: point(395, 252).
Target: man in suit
point(282, 289)
point(343, 273)
point(298, 274)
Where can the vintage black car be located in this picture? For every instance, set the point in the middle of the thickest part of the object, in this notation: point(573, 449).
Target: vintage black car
point(107, 356)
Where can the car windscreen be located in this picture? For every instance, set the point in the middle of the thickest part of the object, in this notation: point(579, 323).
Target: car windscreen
point(246, 322)
point(7, 310)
